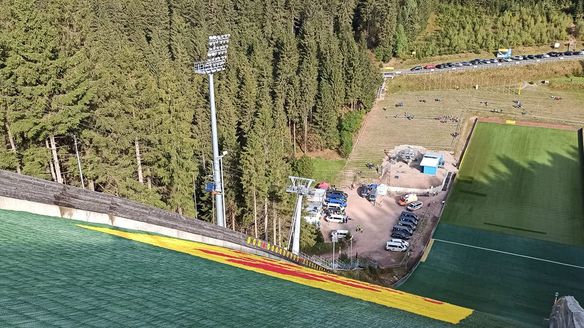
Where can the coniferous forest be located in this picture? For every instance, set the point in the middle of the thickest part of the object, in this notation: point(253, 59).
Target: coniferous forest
point(114, 81)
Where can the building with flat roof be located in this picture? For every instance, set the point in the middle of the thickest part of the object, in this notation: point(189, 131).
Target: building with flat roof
point(431, 162)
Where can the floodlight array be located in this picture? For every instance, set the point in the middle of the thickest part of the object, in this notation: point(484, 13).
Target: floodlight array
point(216, 55)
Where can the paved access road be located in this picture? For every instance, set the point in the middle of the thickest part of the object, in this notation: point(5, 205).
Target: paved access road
point(482, 66)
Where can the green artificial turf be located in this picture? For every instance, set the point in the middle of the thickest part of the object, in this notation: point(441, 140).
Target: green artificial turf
point(507, 285)
point(512, 231)
point(522, 181)
point(55, 274)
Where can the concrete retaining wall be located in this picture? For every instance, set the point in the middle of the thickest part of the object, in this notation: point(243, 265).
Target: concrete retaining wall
point(21, 205)
point(403, 190)
point(27, 194)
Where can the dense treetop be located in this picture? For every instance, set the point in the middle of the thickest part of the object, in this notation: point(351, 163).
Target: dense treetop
point(116, 77)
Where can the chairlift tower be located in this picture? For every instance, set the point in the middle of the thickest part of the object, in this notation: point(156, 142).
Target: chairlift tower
point(216, 60)
point(300, 187)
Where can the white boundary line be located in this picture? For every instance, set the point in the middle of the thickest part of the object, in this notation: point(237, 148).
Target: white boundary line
point(513, 254)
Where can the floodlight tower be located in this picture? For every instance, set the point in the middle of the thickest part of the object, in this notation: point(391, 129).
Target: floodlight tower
point(299, 186)
point(216, 60)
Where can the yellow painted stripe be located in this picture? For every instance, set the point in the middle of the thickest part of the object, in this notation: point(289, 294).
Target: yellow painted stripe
point(427, 250)
point(302, 275)
point(510, 122)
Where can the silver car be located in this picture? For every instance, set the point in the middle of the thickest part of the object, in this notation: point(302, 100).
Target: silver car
point(415, 206)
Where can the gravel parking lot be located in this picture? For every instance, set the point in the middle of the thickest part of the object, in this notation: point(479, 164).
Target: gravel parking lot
point(377, 222)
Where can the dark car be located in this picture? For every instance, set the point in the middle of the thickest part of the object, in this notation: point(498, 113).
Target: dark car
point(440, 66)
point(466, 64)
point(336, 196)
point(416, 68)
point(404, 229)
point(553, 54)
point(409, 220)
point(540, 56)
point(530, 57)
point(341, 202)
point(408, 224)
point(336, 193)
point(400, 235)
point(567, 53)
point(408, 214)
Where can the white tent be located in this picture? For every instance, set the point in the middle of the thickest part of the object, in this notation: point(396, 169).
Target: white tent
point(382, 189)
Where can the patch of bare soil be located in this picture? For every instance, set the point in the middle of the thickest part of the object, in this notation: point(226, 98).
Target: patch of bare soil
point(325, 154)
point(531, 123)
point(397, 172)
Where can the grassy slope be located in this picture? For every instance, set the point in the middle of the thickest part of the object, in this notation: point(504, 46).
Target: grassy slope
point(327, 169)
point(523, 181)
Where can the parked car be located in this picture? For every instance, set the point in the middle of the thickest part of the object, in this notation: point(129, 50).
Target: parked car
point(400, 235)
point(408, 215)
point(339, 201)
point(335, 207)
point(340, 233)
point(429, 66)
point(404, 229)
point(414, 206)
point(408, 224)
point(336, 193)
point(336, 196)
point(416, 68)
point(404, 218)
point(336, 218)
point(399, 241)
point(407, 219)
point(395, 247)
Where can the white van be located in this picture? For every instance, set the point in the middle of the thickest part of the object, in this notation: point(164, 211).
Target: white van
point(395, 246)
point(334, 206)
point(399, 241)
point(336, 218)
point(340, 233)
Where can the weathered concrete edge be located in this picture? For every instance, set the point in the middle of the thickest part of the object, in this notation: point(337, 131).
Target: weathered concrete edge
point(13, 204)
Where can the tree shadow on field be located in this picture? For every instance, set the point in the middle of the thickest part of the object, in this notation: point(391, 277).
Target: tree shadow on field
point(531, 208)
point(533, 199)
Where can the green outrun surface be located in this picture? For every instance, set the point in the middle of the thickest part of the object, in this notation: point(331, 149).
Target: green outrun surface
point(55, 274)
point(512, 231)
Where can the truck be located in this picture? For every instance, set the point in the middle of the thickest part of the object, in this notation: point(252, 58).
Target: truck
point(504, 53)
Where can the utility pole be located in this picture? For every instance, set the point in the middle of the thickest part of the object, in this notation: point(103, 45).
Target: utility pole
point(351, 251)
point(78, 162)
point(335, 239)
point(216, 60)
point(299, 186)
point(223, 187)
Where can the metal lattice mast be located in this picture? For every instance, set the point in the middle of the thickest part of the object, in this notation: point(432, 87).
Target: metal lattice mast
point(299, 186)
point(216, 60)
